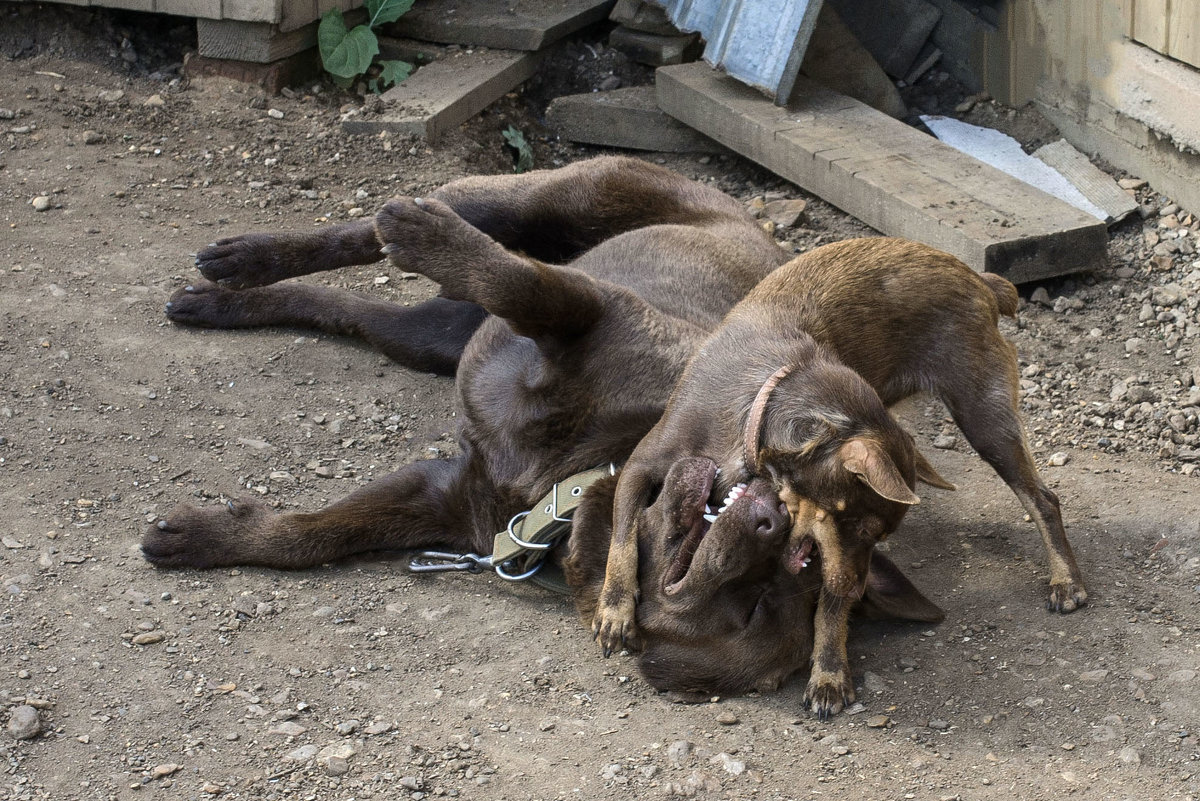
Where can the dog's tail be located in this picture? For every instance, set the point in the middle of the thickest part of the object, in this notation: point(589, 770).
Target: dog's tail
point(1005, 292)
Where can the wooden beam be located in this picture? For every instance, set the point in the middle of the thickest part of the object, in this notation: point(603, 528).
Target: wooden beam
point(500, 25)
point(891, 176)
point(447, 92)
point(627, 118)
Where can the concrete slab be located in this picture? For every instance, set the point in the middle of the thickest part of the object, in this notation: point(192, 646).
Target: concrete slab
point(892, 177)
point(625, 118)
point(513, 25)
point(447, 92)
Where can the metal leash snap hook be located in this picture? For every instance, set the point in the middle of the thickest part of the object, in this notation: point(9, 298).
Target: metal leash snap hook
point(443, 562)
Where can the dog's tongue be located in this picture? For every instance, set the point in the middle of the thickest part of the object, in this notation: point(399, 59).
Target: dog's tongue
point(797, 553)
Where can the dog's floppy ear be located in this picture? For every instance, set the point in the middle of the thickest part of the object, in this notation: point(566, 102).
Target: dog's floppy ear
point(867, 459)
point(927, 475)
point(890, 594)
point(587, 548)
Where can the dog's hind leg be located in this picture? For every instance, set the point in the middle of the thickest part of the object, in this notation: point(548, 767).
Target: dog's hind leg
point(538, 300)
point(983, 403)
point(554, 215)
point(429, 336)
point(412, 508)
point(259, 259)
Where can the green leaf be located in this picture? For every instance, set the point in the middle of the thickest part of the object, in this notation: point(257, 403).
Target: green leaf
point(384, 11)
point(394, 72)
point(524, 152)
point(345, 53)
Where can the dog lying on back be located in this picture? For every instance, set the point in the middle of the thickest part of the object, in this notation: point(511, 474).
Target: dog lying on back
point(572, 302)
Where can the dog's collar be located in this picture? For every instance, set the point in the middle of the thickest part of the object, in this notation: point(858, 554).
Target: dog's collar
point(758, 411)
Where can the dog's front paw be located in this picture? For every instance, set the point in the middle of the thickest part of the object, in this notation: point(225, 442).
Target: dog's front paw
point(244, 261)
point(206, 305)
point(614, 625)
point(1066, 597)
point(828, 693)
point(210, 537)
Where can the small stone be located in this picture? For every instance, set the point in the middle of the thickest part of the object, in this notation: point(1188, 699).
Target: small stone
point(93, 138)
point(735, 767)
point(785, 213)
point(149, 638)
point(24, 723)
point(839, 750)
point(164, 770)
point(1129, 756)
point(1041, 297)
point(111, 96)
point(335, 759)
point(728, 719)
point(1093, 675)
point(302, 754)
point(324, 471)
point(1059, 459)
point(275, 114)
point(678, 751)
point(945, 442)
point(878, 722)
point(939, 725)
point(414, 783)
point(210, 788)
point(288, 728)
point(378, 727)
point(1131, 183)
point(42, 203)
point(1167, 295)
point(347, 727)
point(154, 101)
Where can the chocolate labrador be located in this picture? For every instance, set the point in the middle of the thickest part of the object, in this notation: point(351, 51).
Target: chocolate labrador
point(571, 303)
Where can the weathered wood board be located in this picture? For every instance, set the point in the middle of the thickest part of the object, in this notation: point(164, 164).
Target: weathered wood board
point(516, 25)
point(447, 92)
point(896, 179)
point(627, 118)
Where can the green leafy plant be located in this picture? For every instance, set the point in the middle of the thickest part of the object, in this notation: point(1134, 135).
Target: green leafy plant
point(347, 54)
point(520, 147)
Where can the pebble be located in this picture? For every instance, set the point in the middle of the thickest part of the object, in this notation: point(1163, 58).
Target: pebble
point(347, 727)
point(735, 767)
point(1131, 183)
point(154, 101)
point(1059, 459)
point(164, 770)
point(149, 638)
point(945, 442)
point(24, 723)
point(93, 138)
point(679, 751)
point(42, 203)
point(728, 719)
point(275, 114)
point(1093, 675)
point(939, 725)
point(335, 759)
point(111, 95)
point(302, 754)
point(414, 783)
point(288, 728)
point(785, 213)
point(1129, 756)
point(1041, 297)
point(878, 722)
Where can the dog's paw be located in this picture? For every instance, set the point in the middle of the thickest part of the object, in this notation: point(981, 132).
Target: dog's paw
point(244, 261)
point(425, 236)
point(209, 537)
point(1066, 597)
point(206, 305)
point(614, 626)
point(828, 693)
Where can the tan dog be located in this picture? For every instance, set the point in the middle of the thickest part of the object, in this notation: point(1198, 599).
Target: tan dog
point(793, 388)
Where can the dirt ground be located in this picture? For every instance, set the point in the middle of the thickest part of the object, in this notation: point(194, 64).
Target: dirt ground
point(362, 681)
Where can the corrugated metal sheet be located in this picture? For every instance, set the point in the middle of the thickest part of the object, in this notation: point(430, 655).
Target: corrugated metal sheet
point(759, 42)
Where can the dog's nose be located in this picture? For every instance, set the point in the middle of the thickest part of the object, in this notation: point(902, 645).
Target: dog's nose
point(771, 517)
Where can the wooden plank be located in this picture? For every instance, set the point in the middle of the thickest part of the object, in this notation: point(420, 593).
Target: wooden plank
point(210, 9)
point(626, 118)
point(893, 31)
point(1183, 37)
point(1150, 23)
point(447, 92)
point(1095, 184)
point(655, 49)
point(514, 25)
point(251, 10)
point(892, 177)
point(261, 42)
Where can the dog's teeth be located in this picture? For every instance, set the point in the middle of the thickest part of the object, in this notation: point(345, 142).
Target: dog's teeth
point(723, 508)
point(707, 509)
point(710, 518)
